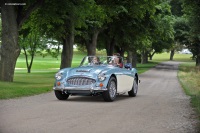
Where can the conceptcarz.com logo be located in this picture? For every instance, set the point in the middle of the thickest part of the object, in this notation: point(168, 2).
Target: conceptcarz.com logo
point(15, 4)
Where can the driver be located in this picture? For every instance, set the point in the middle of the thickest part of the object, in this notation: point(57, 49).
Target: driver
point(95, 60)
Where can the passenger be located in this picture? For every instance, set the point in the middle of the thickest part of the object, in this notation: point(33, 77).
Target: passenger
point(117, 60)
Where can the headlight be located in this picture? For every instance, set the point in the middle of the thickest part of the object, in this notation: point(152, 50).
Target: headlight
point(101, 77)
point(58, 76)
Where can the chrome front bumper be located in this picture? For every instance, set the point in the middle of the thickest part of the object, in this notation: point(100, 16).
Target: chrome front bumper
point(91, 89)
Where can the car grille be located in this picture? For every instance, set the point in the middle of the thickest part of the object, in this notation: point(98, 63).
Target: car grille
point(80, 81)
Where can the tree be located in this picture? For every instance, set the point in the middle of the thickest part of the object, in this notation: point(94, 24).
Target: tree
point(0, 30)
point(176, 9)
point(162, 32)
point(191, 9)
point(30, 43)
point(182, 29)
point(153, 32)
point(127, 24)
point(57, 21)
point(94, 23)
point(62, 21)
point(11, 25)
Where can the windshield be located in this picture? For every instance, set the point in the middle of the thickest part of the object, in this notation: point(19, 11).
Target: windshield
point(102, 60)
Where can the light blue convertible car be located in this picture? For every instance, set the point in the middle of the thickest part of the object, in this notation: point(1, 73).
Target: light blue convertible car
point(104, 75)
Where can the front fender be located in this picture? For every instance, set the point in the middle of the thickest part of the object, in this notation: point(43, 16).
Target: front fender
point(134, 71)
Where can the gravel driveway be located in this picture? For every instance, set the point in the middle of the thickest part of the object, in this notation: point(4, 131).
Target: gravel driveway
point(160, 107)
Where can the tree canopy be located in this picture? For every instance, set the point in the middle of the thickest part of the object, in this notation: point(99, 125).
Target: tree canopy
point(191, 10)
point(130, 26)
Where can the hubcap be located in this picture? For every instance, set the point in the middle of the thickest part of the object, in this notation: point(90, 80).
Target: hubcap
point(112, 90)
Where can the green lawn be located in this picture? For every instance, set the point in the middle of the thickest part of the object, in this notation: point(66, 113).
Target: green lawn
point(48, 62)
point(177, 57)
point(41, 78)
point(27, 84)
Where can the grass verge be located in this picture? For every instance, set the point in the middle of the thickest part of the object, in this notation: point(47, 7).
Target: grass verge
point(189, 77)
point(26, 85)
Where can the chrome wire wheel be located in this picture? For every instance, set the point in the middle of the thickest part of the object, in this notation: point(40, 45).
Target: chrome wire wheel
point(112, 89)
point(110, 94)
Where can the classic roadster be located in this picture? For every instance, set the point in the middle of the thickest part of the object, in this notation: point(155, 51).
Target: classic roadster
point(102, 75)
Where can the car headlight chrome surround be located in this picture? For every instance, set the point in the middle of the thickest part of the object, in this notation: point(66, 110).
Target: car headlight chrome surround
point(58, 76)
point(101, 76)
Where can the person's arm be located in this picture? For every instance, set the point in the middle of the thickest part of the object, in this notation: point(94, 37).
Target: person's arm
point(120, 65)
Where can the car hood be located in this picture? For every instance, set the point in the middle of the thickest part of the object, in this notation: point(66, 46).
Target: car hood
point(89, 71)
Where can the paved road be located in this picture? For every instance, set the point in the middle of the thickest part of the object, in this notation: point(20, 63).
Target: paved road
point(160, 107)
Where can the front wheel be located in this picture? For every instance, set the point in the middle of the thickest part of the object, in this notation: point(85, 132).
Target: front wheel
point(60, 95)
point(110, 94)
point(133, 91)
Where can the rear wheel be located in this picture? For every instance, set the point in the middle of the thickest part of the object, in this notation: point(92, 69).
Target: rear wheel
point(60, 95)
point(110, 94)
point(133, 91)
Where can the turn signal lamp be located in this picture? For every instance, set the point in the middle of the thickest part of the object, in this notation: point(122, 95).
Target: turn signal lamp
point(101, 84)
point(58, 83)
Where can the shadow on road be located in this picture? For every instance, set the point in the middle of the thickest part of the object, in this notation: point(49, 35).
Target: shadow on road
point(165, 66)
point(95, 98)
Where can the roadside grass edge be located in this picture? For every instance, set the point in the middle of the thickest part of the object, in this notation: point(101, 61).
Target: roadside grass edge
point(189, 79)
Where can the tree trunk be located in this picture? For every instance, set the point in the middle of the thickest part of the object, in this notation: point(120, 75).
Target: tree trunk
point(197, 61)
point(33, 42)
point(31, 63)
point(130, 57)
point(12, 20)
point(110, 46)
point(10, 49)
point(26, 57)
point(91, 45)
point(67, 51)
point(172, 54)
point(144, 57)
point(198, 56)
point(120, 50)
point(122, 53)
point(151, 55)
point(134, 60)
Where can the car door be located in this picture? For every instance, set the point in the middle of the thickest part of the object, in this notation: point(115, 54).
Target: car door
point(124, 80)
